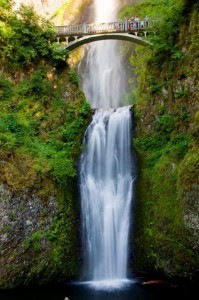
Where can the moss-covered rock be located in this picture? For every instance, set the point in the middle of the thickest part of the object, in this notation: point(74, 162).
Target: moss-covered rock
point(166, 212)
point(43, 116)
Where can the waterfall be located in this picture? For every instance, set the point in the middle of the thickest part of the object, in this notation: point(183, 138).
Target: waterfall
point(106, 175)
point(104, 78)
point(106, 192)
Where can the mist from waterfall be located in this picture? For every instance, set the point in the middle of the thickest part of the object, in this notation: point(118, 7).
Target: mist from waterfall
point(106, 175)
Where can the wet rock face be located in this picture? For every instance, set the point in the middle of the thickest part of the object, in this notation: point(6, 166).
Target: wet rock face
point(66, 11)
point(25, 219)
point(189, 200)
point(43, 7)
point(21, 215)
point(59, 12)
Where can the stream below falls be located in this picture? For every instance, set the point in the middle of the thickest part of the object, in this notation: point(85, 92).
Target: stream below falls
point(133, 291)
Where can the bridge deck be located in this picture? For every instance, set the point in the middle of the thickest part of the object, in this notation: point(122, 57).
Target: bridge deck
point(101, 28)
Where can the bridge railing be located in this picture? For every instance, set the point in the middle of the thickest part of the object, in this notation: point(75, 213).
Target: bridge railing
point(95, 28)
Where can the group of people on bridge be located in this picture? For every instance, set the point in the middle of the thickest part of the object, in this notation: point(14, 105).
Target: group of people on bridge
point(137, 23)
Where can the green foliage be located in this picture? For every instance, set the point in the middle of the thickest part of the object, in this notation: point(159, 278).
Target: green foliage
point(181, 93)
point(13, 130)
point(55, 153)
point(73, 77)
point(35, 119)
point(43, 117)
point(11, 124)
point(152, 8)
point(180, 144)
point(84, 109)
point(197, 117)
point(38, 86)
point(155, 86)
point(6, 4)
point(62, 167)
point(168, 15)
point(150, 142)
point(6, 89)
point(165, 123)
point(60, 10)
point(189, 170)
point(34, 240)
point(25, 38)
point(61, 236)
point(58, 56)
point(164, 141)
point(58, 225)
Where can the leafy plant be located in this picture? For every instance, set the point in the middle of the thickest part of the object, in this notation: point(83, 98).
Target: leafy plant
point(197, 117)
point(24, 36)
point(34, 240)
point(6, 89)
point(165, 123)
point(73, 77)
point(58, 56)
point(63, 167)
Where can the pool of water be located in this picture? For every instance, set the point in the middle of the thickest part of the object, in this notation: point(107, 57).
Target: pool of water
point(133, 290)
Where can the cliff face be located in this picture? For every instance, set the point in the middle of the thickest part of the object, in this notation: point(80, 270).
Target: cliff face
point(167, 212)
point(39, 240)
point(45, 8)
point(43, 117)
point(62, 12)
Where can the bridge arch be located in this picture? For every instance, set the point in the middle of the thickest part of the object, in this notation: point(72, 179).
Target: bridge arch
point(108, 36)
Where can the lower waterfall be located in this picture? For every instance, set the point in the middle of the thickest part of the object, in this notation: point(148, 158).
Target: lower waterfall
point(106, 185)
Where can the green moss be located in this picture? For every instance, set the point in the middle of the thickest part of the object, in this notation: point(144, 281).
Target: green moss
point(61, 237)
point(189, 170)
point(34, 240)
point(73, 77)
point(166, 144)
point(197, 118)
point(6, 89)
point(159, 222)
point(60, 11)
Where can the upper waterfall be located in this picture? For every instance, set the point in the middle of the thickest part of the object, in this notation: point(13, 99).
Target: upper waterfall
point(104, 77)
point(105, 11)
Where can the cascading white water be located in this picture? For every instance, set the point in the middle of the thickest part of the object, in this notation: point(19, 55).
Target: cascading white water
point(106, 163)
point(104, 79)
point(106, 191)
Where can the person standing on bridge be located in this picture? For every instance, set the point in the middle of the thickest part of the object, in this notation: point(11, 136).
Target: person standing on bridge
point(137, 22)
point(133, 22)
point(120, 24)
point(146, 21)
point(129, 24)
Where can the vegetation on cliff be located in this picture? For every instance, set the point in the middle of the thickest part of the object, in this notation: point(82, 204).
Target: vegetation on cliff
point(43, 117)
point(166, 117)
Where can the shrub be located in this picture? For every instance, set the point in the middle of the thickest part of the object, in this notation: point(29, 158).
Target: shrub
point(197, 118)
point(6, 89)
point(34, 240)
point(62, 167)
point(73, 76)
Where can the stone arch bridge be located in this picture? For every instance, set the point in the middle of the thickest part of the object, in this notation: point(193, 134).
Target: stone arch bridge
point(74, 36)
